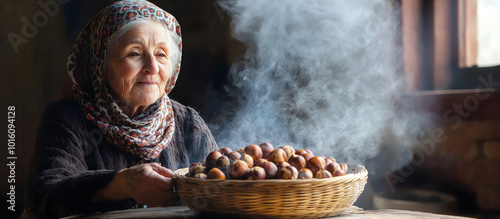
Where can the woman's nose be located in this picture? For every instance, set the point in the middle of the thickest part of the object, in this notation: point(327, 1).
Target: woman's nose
point(150, 64)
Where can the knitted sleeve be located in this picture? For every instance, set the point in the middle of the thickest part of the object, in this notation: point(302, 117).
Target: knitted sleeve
point(59, 181)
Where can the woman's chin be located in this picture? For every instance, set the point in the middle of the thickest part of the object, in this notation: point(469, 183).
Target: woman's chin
point(145, 96)
point(149, 100)
point(146, 99)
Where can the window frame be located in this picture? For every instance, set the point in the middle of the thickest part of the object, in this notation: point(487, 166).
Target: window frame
point(440, 45)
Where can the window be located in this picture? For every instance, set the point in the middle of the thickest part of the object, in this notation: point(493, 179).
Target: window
point(488, 33)
point(443, 43)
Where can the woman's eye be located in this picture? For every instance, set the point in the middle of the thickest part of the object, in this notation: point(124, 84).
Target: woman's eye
point(133, 54)
point(163, 55)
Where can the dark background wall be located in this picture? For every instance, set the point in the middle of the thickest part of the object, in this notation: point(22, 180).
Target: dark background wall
point(35, 75)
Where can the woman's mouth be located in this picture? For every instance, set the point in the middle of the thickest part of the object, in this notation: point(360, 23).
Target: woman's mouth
point(147, 83)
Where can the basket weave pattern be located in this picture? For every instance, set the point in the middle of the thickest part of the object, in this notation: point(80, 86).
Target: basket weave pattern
point(276, 198)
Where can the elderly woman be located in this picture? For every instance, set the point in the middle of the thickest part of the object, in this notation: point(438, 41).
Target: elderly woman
point(115, 144)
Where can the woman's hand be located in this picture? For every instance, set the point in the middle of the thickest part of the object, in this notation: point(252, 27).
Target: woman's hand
point(149, 184)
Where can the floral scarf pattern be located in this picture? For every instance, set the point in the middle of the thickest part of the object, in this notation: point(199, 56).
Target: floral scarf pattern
point(147, 134)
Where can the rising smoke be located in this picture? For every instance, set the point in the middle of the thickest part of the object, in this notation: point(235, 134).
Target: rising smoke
point(323, 75)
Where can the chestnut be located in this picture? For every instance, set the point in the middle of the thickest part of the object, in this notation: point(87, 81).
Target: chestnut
point(266, 148)
point(200, 176)
point(195, 169)
point(332, 167)
point(316, 164)
point(288, 172)
point(254, 151)
point(211, 158)
point(297, 161)
point(248, 159)
point(260, 162)
point(225, 151)
point(256, 173)
point(278, 155)
point(307, 156)
point(271, 170)
point(241, 150)
point(235, 155)
point(282, 164)
point(303, 151)
point(329, 160)
point(223, 164)
point(338, 173)
point(323, 174)
point(344, 167)
point(289, 150)
point(238, 169)
point(215, 173)
point(305, 173)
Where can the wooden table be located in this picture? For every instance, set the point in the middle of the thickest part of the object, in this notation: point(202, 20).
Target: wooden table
point(182, 212)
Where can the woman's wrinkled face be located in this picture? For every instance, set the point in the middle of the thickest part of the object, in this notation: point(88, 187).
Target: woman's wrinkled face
point(138, 68)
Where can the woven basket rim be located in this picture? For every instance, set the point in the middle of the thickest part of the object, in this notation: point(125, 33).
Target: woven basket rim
point(361, 172)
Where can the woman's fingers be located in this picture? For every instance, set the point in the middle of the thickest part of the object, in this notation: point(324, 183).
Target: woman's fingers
point(162, 182)
point(162, 170)
point(149, 184)
point(157, 186)
point(161, 177)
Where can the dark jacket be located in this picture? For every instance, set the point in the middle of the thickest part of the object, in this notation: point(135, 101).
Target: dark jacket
point(73, 160)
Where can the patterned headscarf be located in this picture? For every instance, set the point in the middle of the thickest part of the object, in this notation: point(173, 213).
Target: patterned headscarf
point(148, 133)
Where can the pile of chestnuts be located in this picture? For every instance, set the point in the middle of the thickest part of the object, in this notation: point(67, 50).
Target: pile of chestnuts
point(258, 162)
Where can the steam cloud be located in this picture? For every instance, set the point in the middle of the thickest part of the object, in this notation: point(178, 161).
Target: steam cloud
point(323, 75)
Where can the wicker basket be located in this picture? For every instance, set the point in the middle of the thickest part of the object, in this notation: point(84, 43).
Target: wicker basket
point(276, 198)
